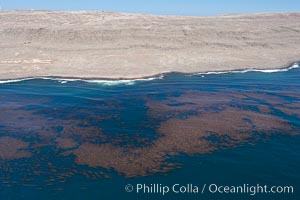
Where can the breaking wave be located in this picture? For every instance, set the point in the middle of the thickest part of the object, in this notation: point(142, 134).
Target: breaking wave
point(107, 82)
point(294, 66)
point(101, 82)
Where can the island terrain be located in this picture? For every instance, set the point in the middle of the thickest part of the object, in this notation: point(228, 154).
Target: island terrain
point(86, 44)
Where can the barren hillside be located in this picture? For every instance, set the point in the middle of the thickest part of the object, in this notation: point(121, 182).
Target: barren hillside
point(121, 45)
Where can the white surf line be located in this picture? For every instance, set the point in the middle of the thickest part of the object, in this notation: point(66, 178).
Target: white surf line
point(100, 81)
point(125, 81)
point(32, 78)
point(15, 80)
point(132, 81)
point(294, 66)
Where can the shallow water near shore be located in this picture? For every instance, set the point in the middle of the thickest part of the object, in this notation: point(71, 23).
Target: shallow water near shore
point(87, 140)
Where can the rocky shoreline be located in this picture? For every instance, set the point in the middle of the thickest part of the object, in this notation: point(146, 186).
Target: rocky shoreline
point(107, 45)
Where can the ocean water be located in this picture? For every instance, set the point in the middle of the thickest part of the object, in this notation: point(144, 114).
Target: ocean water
point(75, 139)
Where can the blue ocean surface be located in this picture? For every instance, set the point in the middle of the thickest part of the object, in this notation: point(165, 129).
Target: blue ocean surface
point(62, 139)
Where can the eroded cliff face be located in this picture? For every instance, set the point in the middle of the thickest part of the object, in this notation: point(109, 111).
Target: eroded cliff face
point(121, 45)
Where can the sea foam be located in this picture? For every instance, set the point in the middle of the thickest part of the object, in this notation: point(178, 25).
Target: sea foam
point(294, 66)
point(105, 82)
point(100, 81)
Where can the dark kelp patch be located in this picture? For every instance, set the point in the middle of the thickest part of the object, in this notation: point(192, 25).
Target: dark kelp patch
point(11, 148)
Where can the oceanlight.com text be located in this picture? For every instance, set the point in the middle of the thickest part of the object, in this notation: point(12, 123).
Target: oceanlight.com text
point(177, 188)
